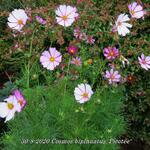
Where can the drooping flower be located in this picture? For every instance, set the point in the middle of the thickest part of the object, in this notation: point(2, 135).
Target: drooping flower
point(111, 53)
point(121, 25)
point(40, 20)
point(83, 36)
point(79, 1)
point(66, 15)
point(124, 60)
point(77, 33)
point(17, 19)
point(90, 39)
point(8, 108)
point(136, 10)
point(90, 61)
point(76, 61)
point(72, 50)
point(112, 65)
point(112, 76)
point(144, 61)
point(50, 59)
point(20, 98)
point(83, 93)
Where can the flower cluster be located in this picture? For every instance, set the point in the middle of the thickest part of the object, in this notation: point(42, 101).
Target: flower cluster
point(121, 25)
point(14, 103)
point(82, 36)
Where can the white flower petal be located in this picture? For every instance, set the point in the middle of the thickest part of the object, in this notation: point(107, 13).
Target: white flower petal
point(78, 97)
point(50, 66)
point(10, 116)
point(139, 14)
point(78, 91)
point(63, 9)
point(81, 87)
point(3, 109)
point(127, 25)
point(138, 8)
point(52, 51)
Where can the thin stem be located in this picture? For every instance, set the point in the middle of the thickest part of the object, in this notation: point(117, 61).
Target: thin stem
point(67, 76)
point(28, 65)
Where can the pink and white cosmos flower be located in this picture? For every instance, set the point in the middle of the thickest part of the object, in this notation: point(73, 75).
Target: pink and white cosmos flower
point(83, 93)
point(144, 62)
point(111, 53)
point(136, 10)
point(40, 20)
point(17, 19)
point(51, 58)
point(9, 108)
point(66, 15)
point(121, 25)
point(112, 76)
point(76, 61)
point(90, 39)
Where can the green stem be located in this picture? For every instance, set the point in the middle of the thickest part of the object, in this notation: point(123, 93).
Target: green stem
point(67, 77)
point(28, 65)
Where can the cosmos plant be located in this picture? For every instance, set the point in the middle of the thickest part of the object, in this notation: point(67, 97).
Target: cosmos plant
point(50, 59)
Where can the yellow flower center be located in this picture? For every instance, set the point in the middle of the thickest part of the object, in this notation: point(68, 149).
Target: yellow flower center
point(72, 51)
point(52, 59)
point(112, 77)
point(85, 95)
point(10, 106)
point(65, 18)
point(77, 62)
point(132, 12)
point(111, 53)
point(90, 61)
point(20, 22)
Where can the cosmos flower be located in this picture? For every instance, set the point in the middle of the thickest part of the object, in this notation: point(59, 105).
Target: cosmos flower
point(112, 76)
point(144, 62)
point(90, 39)
point(72, 50)
point(66, 15)
point(136, 10)
point(8, 108)
point(20, 98)
point(50, 59)
point(40, 20)
point(111, 53)
point(83, 93)
point(17, 19)
point(76, 61)
point(121, 26)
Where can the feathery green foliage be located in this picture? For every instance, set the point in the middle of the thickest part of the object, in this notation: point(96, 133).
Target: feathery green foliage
point(51, 114)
